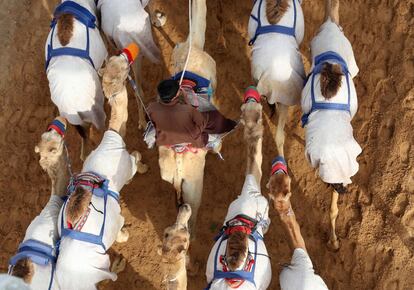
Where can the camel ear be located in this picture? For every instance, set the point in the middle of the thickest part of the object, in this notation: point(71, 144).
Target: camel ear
point(37, 149)
point(159, 250)
point(268, 185)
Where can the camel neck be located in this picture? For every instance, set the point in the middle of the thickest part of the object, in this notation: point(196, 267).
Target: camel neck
point(176, 278)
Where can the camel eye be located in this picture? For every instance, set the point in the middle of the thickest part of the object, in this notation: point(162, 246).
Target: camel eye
point(166, 235)
point(52, 150)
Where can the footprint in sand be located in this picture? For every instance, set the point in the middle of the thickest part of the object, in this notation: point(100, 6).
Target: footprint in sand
point(408, 222)
point(400, 204)
point(393, 285)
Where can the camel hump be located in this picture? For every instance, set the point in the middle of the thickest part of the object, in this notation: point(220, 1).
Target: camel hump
point(276, 9)
point(77, 205)
point(331, 79)
point(24, 269)
point(65, 28)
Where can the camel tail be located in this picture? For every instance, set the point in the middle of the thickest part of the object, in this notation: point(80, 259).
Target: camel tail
point(65, 28)
point(198, 23)
point(275, 9)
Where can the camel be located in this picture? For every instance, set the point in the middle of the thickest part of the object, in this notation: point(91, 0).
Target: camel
point(276, 29)
point(124, 23)
point(232, 262)
point(329, 109)
point(185, 170)
point(42, 235)
point(174, 249)
point(74, 52)
point(90, 220)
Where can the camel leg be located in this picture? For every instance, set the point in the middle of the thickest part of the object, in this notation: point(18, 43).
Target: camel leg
point(332, 10)
point(333, 240)
point(83, 132)
point(192, 187)
point(198, 25)
point(166, 162)
point(137, 68)
point(280, 130)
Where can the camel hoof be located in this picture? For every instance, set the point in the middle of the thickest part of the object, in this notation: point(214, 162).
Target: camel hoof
point(118, 265)
point(159, 19)
point(142, 168)
point(334, 245)
point(122, 236)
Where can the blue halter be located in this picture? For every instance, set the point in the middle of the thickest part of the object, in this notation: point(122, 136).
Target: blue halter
point(85, 17)
point(38, 252)
point(239, 274)
point(202, 84)
point(102, 192)
point(320, 60)
point(272, 28)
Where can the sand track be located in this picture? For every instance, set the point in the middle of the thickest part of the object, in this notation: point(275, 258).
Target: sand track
point(376, 222)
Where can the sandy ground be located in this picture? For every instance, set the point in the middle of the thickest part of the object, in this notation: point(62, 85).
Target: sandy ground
point(376, 222)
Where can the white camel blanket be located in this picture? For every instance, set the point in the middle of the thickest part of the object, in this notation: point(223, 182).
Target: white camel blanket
point(74, 84)
point(44, 229)
point(82, 265)
point(112, 161)
point(276, 60)
point(90, 264)
point(299, 275)
point(126, 21)
point(8, 282)
point(253, 204)
point(330, 144)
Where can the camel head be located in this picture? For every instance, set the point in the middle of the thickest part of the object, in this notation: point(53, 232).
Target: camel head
point(251, 116)
point(116, 71)
point(176, 238)
point(51, 145)
point(114, 75)
point(279, 182)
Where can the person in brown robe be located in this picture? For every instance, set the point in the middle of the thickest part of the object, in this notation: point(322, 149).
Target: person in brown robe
point(177, 122)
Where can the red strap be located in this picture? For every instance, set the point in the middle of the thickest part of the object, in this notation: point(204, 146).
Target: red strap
point(279, 165)
point(57, 129)
point(230, 281)
point(188, 83)
point(129, 55)
point(242, 229)
point(251, 94)
point(246, 221)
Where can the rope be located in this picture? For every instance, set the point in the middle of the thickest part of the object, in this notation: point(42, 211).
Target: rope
point(133, 84)
point(189, 43)
point(138, 97)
